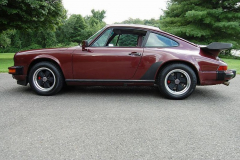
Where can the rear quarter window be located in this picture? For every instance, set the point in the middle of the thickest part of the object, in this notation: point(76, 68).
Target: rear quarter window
point(157, 40)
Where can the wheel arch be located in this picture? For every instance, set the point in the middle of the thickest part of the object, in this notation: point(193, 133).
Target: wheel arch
point(38, 60)
point(182, 62)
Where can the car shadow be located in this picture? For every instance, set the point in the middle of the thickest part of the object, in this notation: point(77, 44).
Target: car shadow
point(200, 93)
point(133, 91)
point(110, 90)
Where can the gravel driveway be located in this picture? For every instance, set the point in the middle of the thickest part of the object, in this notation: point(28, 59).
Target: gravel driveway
point(119, 123)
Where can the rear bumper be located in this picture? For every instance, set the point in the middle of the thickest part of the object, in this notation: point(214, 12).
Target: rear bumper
point(226, 75)
point(213, 77)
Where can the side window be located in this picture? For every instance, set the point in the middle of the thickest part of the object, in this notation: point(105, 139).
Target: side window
point(156, 40)
point(128, 40)
point(124, 40)
point(101, 41)
point(114, 41)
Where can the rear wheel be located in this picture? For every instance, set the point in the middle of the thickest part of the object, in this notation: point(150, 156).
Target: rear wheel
point(45, 78)
point(177, 81)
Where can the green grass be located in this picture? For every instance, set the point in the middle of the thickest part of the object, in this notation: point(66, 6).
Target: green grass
point(6, 55)
point(6, 60)
point(233, 64)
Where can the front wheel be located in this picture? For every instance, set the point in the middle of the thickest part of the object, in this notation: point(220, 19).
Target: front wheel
point(45, 78)
point(177, 81)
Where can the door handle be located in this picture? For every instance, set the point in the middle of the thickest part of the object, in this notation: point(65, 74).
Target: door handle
point(135, 54)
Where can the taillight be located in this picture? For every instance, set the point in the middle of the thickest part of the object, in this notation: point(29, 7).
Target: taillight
point(222, 68)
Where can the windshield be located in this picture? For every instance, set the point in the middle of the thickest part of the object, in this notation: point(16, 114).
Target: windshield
point(95, 35)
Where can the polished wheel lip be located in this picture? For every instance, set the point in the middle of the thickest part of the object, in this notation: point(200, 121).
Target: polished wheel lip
point(35, 78)
point(186, 87)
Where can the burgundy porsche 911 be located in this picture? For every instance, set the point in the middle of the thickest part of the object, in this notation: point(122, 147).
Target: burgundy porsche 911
point(125, 55)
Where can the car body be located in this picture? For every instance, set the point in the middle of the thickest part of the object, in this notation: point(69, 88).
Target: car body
point(125, 55)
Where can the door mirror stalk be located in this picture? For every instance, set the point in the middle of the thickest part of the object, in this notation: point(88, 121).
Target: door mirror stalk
point(84, 45)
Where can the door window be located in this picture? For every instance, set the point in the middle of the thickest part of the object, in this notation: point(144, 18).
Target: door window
point(120, 38)
point(102, 40)
point(124, 40)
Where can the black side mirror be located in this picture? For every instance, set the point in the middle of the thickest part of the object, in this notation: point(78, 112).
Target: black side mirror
point(84, 45)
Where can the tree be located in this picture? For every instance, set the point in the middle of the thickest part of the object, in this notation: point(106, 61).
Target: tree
point(150, 22)
point(94, 23)
point(74, 29)
point(45, 38)
point(132, 21)
point(98, 15)
point(203, 21)
point(30, 14)
point(71, 29)
point(5, 41)
point(78, 25)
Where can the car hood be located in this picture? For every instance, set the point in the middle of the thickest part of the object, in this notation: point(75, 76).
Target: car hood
point(47, 50)
point(43, 50)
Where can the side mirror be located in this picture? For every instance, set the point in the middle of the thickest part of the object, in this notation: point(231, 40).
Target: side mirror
point(84, 45)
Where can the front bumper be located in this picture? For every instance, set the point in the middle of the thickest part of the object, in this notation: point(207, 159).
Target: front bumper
point(226, 75)
point(15, 70)
point(17, 73)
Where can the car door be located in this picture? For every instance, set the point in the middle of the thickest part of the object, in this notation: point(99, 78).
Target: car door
point(104, 60)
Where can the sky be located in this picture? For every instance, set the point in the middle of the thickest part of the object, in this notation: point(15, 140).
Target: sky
point(117, 11)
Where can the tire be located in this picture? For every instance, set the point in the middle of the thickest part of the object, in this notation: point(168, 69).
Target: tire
point(45, 78)
point(177, 81)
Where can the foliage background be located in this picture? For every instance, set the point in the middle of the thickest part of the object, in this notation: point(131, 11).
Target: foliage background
point(44, 24)
point(69, 32)
point(203, 21)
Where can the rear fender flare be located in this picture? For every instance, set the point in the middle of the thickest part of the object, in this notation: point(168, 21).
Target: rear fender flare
point(153, 72)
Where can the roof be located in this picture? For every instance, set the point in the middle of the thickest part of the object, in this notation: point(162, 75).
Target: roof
point(134, 25)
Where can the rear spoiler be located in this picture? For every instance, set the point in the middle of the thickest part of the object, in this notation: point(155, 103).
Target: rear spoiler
point(215, 48)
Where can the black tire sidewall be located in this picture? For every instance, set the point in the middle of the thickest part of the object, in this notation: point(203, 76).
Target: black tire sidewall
point(56, 72)
point(168, 69)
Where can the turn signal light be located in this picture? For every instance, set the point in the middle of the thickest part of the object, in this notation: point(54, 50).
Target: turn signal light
point(12, 70)
point(222, 68)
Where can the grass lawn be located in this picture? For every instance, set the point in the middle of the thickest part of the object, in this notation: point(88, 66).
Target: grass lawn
point(6, 60)
point(233, 64)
